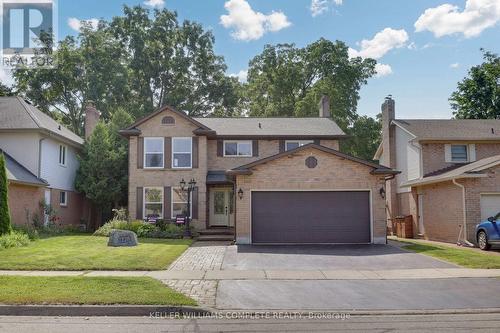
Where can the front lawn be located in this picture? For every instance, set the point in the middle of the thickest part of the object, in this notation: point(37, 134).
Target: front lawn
point(85, 252)
point(88, 290)
point(462, 256)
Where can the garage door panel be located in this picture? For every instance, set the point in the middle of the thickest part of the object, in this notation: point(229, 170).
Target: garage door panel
point(311, 217)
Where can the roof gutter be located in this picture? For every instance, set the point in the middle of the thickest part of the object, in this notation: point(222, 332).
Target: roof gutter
point(440, 180)
point(464, 226)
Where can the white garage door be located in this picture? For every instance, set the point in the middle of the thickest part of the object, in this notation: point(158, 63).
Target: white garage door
point(490, 205)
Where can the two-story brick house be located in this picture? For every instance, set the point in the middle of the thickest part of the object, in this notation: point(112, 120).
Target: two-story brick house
point(449, 178)
point(274, 180)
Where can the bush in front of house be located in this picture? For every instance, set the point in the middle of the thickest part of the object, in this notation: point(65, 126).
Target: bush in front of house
point(120, 225)
point(143, 229)
point(29, 230)
point(5, 223)
point(14, 239)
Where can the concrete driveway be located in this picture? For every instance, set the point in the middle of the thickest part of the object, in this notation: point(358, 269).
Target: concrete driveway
point(326, 257)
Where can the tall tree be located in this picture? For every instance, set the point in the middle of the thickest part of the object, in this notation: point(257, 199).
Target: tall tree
point(288, 81)
point(6, 90)
point(5, 223)
point(478, 95)
point(364, 137)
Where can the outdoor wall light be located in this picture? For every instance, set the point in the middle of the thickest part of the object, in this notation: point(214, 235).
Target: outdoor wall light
point(382, 192)
point(240, 193)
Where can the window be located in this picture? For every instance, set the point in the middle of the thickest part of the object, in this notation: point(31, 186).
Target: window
point(63, 198)
point(459, 153)
point(153, 153)
point(182, 153)
point(153, 202)
point(167, 120)
point(292, 144)
point(179, 202)
point(238, 148)
point(62, 155)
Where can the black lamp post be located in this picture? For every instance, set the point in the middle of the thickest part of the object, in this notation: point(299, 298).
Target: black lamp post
point(189, 188)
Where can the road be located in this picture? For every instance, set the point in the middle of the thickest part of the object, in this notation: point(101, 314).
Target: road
point(379, 323)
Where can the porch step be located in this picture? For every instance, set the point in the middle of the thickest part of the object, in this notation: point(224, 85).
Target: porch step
point(217, 231)
point(215, 237)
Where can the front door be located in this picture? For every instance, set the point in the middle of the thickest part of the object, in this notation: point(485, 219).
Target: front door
point(221, 207)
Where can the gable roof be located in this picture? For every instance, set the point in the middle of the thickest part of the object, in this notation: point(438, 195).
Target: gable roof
point(273, 127)
point(251, 127)
point(377, 168)
point(471, 170)
point(17, 173)
point(451, 129)
point(17, 114)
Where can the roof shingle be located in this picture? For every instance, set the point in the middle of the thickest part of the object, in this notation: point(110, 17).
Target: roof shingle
point(17, 173)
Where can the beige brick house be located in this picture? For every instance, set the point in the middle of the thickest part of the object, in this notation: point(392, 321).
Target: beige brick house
point(265, 180)
point(449, 178)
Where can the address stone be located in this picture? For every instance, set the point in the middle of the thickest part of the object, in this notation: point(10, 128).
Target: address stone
point(122, 238)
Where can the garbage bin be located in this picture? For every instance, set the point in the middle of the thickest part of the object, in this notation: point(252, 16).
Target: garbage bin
point(404, 226)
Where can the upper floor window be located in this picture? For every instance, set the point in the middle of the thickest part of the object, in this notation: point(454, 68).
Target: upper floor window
point(292, 144)
point(153, 152)
point(62, 155)
point(459, 153)
point(167, 120)
point(238, 148)
point(182, 153)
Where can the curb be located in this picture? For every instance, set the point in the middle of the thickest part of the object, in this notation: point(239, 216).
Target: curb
point(354, 312)
point(102, 310)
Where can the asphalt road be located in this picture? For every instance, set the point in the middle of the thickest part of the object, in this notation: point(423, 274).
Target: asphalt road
point(380, 323)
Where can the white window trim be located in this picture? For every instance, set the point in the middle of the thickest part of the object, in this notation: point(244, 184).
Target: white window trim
point(172, 202)
point(300, 142)
point(65, 203)
point(182, 152)
point(63, 148)
point(471, 152)
point(162, 152)
point(237, 148)
point(162, 201)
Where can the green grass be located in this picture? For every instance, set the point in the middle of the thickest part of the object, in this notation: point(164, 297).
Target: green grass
point(463, 257)
point(88, 290)
point(85, 252)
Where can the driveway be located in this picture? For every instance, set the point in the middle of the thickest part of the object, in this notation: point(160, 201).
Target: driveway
point(326, 257)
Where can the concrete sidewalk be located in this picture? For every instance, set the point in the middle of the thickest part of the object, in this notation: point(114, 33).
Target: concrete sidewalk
point(394, 274)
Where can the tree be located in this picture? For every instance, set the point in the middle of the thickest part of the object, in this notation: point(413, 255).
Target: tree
point(138, 62)
point(6, 90)
point(364, 138)
point(5, 223)
point(478, 95)
point(288, 81)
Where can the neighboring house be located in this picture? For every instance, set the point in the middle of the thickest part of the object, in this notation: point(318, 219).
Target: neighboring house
point(449, 173)
point(275, 180)
point(41, 150)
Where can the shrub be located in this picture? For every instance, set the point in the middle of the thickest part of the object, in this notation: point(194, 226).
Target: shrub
point(142, 229)
point(146, 229)
point(29, 230)
point(5, 223)
point(14, 239)
point(120, 225)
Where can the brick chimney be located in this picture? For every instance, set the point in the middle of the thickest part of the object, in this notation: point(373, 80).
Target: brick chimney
point(388, 157)
point(324, 107)
point(91, 118)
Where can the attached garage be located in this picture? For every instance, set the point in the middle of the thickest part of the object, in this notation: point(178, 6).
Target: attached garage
point(308, 217)
point(490, 205)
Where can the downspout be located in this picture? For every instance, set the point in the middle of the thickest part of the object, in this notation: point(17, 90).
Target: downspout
point(464, 224)
point(40, 157)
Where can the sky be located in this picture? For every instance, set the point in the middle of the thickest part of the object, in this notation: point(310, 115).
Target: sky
point(424, 47)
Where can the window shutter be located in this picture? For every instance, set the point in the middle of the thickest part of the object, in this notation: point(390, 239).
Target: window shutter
point(139, 203)
point(167, 158)
point(167, 203)
point(282, 146)
point(195, 203)
point(472, 152)
point(140, 152)
point(195, 152)
point(220, 148)
point(317, 141)
point(447, 153)
point(255, 148)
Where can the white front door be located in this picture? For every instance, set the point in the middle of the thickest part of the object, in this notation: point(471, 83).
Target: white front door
point(47, 202)
point(221, 207)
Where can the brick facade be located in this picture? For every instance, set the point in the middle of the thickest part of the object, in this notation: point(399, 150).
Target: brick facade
point(74, 213)
point(291, 173)
point(24, 203)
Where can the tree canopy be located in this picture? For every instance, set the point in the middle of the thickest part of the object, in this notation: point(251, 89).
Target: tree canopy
point(5, 222)
point(478, 95)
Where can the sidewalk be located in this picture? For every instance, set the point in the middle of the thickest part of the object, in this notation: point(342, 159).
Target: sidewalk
point(217, 275)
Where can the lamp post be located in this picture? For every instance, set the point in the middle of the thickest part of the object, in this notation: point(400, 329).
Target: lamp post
point(189, 188)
